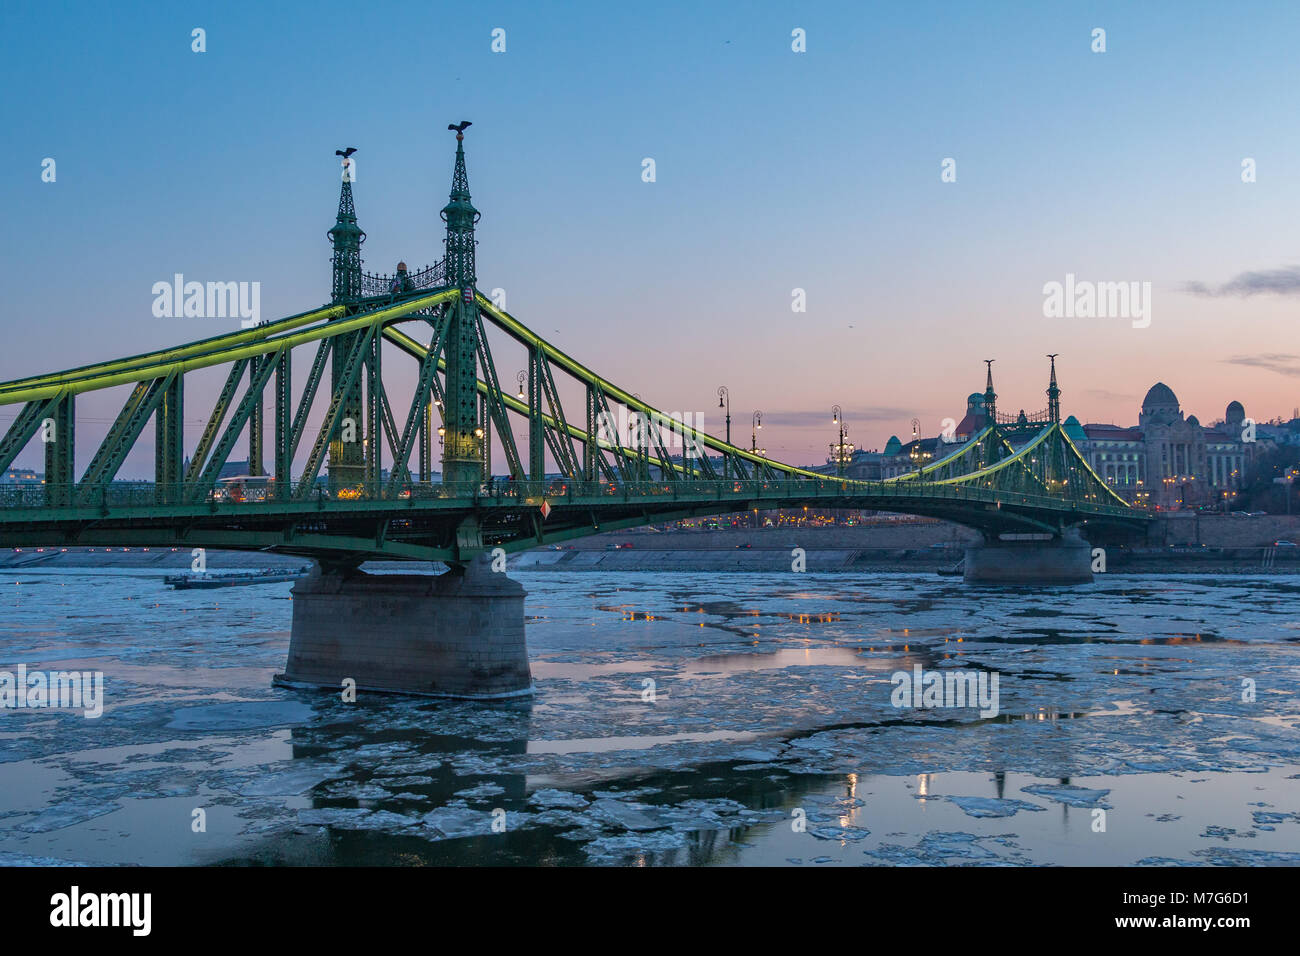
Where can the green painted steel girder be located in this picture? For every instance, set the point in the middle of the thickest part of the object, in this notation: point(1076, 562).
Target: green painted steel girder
point(232, 353)
point(216, 344)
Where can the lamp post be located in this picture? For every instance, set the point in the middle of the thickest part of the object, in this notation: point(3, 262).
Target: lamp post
point(724, 393)
point(837, 418)
point(521, 378)
point(755, 425)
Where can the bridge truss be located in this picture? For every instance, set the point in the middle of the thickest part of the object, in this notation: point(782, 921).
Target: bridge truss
point(614, 454)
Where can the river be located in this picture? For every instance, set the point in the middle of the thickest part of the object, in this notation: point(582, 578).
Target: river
point(678, 719)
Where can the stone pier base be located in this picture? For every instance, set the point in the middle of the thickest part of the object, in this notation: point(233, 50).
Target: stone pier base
point(1063, 560)
point(448, 635)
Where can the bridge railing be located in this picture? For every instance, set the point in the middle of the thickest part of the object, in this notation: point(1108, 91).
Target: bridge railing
point(263, 494)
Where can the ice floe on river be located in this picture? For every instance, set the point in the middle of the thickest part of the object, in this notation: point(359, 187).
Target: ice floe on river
point(771, 696)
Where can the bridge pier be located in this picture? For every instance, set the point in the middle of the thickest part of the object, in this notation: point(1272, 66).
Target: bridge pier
point(1066, 559)
point(459, 634)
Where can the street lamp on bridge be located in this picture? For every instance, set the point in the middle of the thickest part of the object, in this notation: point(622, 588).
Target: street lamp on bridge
point(841, 453)
point(755, 425)
point(725, 393)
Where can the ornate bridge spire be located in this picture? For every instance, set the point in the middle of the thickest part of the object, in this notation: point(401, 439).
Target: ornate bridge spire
point(460, 216)
point(990, 396)
point(346, 237)
point(346, 457)
point(1053, 394)
point(463, 458)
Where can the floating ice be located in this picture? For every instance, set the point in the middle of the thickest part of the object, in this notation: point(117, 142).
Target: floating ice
point(1225, 833)
point(632, 816)
point(482, 790)
point(557, 799)
point(396, 783)
point(347, 818)
point(285, 783)
point(1068, 793)
point(632, 844)
point(1261, 817)
point(22, 859)
point(459, 821)
point(355, 790)
point(1237, 856)
point(982, 807)
point(65, 815)
point(1111, 685)
point(839, 833)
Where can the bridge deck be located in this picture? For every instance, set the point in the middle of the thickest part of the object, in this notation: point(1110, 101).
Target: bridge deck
point(422, 520)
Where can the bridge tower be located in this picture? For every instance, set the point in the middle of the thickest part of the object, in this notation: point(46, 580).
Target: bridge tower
point(990, 396)
point(993, 443)
point(462, 452)
point(1058, 462)
point(347, 448)
point(1053, 395)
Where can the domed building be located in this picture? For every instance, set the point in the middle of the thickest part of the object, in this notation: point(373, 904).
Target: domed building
point(1166, 460)
point(976, 417)
point(1160, 407)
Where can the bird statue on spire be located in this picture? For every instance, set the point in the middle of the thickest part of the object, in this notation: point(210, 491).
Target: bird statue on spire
point(347, 162)
point(460, 128)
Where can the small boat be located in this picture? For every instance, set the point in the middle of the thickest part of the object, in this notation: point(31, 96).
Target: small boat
point(956, 571)
point(227, 579)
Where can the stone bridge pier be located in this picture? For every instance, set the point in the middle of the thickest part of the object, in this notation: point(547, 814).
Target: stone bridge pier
point(1030, 559)
point(458, 634)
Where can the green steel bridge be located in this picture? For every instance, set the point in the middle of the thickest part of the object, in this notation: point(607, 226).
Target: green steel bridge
point(342, 507)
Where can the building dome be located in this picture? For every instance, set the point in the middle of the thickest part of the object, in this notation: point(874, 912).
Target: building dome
point(974, 400)
point(1160, 406)
point(893, 446)
point(1074, 430)
point(1193, 420)
point(1160, 394)
point(1235, 413)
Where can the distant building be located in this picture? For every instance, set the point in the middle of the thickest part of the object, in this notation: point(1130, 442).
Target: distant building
point(1279, 432)
point(21, 476)
point(1169, 461)
point(1165, 460)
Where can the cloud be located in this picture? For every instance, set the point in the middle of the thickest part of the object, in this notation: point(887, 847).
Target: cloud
point(1282, 363)
point(1267, 281)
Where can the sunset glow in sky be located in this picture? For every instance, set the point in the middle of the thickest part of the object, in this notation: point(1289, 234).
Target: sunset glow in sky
point(775, 171)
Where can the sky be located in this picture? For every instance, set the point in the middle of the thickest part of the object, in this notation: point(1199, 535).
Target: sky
point(775, 171)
